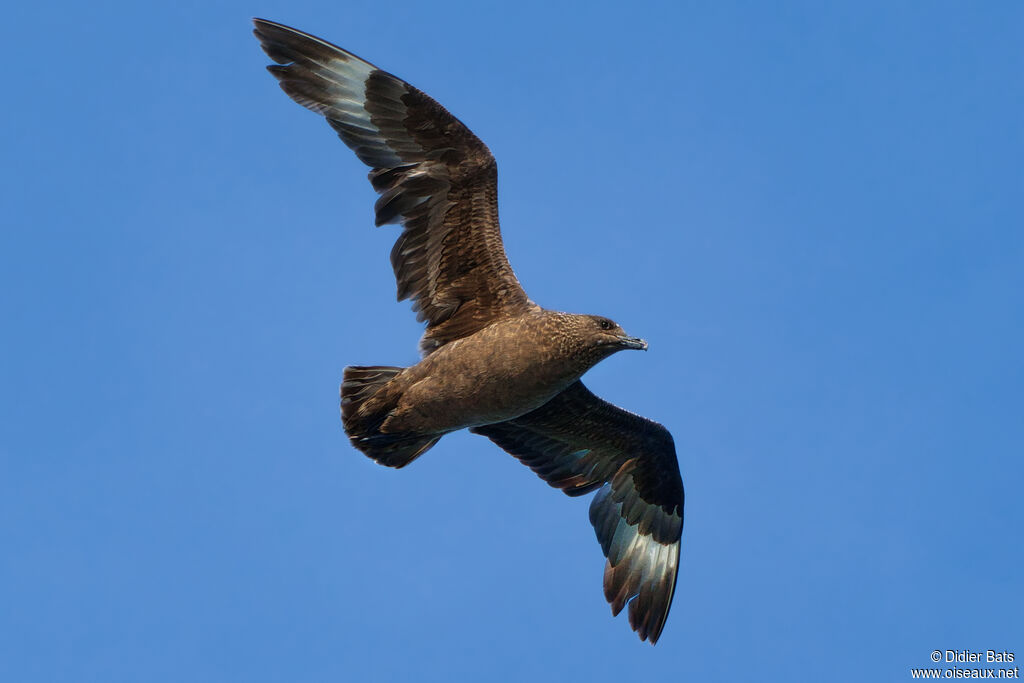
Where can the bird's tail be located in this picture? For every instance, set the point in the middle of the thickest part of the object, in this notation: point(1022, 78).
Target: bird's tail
point(365, 405)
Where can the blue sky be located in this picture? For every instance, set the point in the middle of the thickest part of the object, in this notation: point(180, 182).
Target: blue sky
point(813, 214)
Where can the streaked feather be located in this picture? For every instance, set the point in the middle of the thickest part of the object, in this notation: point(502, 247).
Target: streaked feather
point(436, 178)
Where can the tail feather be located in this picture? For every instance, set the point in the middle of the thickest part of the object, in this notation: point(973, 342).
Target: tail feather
point(366, 404)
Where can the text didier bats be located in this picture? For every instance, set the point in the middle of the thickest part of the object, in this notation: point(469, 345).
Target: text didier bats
point(986, 656)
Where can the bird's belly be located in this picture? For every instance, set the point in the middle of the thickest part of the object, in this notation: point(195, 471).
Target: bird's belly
point(482, 387)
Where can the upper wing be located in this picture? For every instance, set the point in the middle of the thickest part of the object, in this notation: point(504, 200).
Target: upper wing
point(434, 176)
point(577, 442)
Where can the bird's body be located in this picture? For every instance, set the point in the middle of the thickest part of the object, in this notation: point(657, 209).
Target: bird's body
point(505, 370)
point(494, 361)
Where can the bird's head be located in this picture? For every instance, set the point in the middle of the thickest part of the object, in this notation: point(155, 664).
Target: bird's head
point(594, 338)
point(607, 334)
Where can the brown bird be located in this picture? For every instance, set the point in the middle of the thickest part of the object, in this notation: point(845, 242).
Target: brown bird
point(493, 361)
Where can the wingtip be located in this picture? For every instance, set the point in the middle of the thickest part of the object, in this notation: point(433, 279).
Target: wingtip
point(642, 553)
point(259, 23)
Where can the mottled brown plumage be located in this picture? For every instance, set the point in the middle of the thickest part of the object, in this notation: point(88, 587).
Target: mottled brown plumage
point(494, 361)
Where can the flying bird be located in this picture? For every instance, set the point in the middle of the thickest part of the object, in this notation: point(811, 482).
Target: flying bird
point(493, 361)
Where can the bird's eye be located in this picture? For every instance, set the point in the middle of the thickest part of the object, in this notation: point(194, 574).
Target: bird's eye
point(606, 324)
